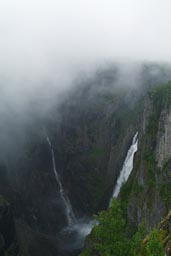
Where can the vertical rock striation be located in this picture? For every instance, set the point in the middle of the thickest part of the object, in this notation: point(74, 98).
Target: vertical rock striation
point(147, 192)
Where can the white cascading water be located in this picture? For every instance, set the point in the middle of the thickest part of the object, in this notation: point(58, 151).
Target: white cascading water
point(127, 167)
point(72, 236)
point(67, 205)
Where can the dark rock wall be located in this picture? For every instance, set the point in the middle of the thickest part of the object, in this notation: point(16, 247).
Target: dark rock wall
point(90, 133)
point(90, 141)
point(148, 189)
point(8, 236)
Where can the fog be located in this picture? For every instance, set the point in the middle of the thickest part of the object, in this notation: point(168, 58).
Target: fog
point(45, 39)
point(48, 46)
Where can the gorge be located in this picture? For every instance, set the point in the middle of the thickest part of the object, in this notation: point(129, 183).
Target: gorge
point(101, 140)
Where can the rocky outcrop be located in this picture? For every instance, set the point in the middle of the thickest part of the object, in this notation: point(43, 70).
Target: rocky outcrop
point(90, 132)
point(163, 142)
point(164, 228)
point(86, 139)
point(87, 145)
point(163, 234)
point(149, 184)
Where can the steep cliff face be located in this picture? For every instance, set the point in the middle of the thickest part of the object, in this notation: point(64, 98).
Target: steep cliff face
point(165, 229)
point(87, 146)
point(90, 133)
point(86, 137)
point(8, 235)
point(145, 197)
point(149, 184)
point(163, 142)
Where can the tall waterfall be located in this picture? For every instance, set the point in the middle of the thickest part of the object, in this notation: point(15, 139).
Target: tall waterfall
point(127, 166)
point(66, 202)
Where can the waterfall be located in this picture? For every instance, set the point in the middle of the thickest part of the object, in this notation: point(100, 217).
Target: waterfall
point(127, 167)
point(66, 202)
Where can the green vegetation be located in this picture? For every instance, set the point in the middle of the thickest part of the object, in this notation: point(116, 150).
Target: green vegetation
point(154, 246)
point(114, 236)
point(165, 192)
point(125, 192)
point(110, 237)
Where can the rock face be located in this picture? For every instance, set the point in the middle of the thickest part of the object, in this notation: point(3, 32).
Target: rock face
point(146, 196)
point(86, 138)
point(90, 133)
point(163, 149)
point(149, 185)
point(87, 147)
point(165, 229)
point(8, 236)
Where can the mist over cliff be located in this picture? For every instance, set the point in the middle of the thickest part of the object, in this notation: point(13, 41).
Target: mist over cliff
point(47, 48)
point(82, 83)
point(46, 45)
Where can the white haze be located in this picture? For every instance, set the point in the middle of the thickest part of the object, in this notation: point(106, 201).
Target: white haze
point(41, 39)
point(44, 44)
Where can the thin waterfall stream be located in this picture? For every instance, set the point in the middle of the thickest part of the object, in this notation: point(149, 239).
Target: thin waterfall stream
point(66, 202)
point(72, 237)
